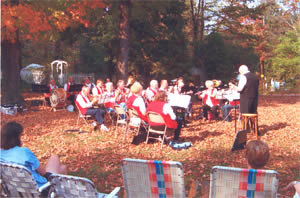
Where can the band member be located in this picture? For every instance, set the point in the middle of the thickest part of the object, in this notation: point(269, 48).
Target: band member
point(210, 103)
point(136, 100)
point(88, 83)
point(151, 91)
point(67, 85)
point(98, 90)
point(51, 86)
point(164, 86)
point(111, 95)
point(159, 105)
point(248, 88)
point(85, 107)
point(231, 103)
point(179, 85)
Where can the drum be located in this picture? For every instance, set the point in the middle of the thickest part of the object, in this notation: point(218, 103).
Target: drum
point(58, 98)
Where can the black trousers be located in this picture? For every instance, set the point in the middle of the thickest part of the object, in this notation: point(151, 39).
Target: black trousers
point(248, 105)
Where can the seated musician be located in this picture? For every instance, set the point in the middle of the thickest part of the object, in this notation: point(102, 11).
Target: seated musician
point(210, 103)
point(51, 86)
point(179, 85)
point(136, 100)
point(88, 83)
point(121, 93)
point(160, 105)
point(110, 94)
point(231, 104)
point(70, 96)
point(85, 107)
point(151, 91)
point(98, 90)
point(164, 86)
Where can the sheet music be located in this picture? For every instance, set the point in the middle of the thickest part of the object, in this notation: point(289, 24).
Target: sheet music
point(232, 97)
point(104, 98)
point(177, 100)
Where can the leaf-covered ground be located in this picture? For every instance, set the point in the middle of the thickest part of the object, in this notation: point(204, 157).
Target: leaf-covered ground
point(98, 155)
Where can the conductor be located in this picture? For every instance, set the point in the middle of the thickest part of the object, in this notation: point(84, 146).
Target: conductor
point(248, 88)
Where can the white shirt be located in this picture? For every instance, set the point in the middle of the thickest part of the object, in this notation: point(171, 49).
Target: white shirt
point(149, 94)
point(209, 94)
point(82, 103)
point(95, 91)
point(66, 86)
point(167, 109)
point(242, 82)
point(139, 102)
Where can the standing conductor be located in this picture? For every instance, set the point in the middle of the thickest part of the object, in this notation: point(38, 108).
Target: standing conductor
point(248, 88)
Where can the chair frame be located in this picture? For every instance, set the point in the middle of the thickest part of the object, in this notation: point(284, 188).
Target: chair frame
point(121, 121)
point(80, 115)
point(149, 178)
point(247, 185)
point(157, 118)
point(133, 114)
point(83, 187)
point(17, 181)
point(234, 111)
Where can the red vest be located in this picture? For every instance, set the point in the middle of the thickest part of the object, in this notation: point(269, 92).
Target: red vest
point(157, 106)
point(81, 109)
point(129, 104)
point(122, 97)
point(214, 101)
point(47, 95)
point(233, 103)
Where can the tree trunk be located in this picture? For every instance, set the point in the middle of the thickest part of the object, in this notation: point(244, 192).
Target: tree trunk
point(10, 72)
point(122, 63)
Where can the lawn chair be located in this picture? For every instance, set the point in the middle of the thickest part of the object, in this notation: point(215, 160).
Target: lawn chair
point(122, 117)
point(72, 186)
point(80, 115)
point(239, 182)
point(148, 178)
point(156, 118)
point(17, 181)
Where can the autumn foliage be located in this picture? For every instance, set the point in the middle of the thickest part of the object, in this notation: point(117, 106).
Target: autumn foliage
point(98, 155)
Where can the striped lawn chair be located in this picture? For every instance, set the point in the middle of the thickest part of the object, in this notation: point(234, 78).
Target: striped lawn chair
point(243, 183)
point(72, 186)
point(148, 178)
point(17, 181)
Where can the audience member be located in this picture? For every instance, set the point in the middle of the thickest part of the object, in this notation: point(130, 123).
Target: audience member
point(257, 154)
point(12, 152)
point(294, 185)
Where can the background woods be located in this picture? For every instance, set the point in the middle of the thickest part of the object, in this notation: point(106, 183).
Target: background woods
point(200, 40)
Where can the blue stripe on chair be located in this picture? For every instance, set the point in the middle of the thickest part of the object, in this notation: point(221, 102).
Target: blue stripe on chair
point(251, 183)
point(160, 179)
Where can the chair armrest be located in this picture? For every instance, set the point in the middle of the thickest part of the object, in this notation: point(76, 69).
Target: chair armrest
point(43, 187)
point(114, 193)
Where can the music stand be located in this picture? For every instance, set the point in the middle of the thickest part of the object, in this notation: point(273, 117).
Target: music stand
point(233, 97)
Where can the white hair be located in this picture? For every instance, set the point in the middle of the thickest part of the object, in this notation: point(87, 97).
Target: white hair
point(153, 83)
point(243, 69)
point(109, 84)
point(209, 83)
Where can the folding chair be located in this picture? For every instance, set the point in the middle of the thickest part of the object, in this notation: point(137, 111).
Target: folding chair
point(72, 186)
point(17, 181)
point(149, 178)
point(135, 122)
point(80, 115)
point(122, 117)
point(239, 182)
point(159, 129)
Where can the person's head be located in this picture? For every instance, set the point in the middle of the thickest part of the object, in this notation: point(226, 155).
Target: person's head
point(164, 84)
point(99, 82)
point(180, 82)
point(70, 79)
point(11, 135)
point(154, 84)
point(121, 84)
point(107, 79)
point(243, 69)
point(87, 80)
point(257, 154)
point(136, 88)
point(161, 96)
point(209, 84)
point(85, 90)
point(109, 86)
point(52, 81)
